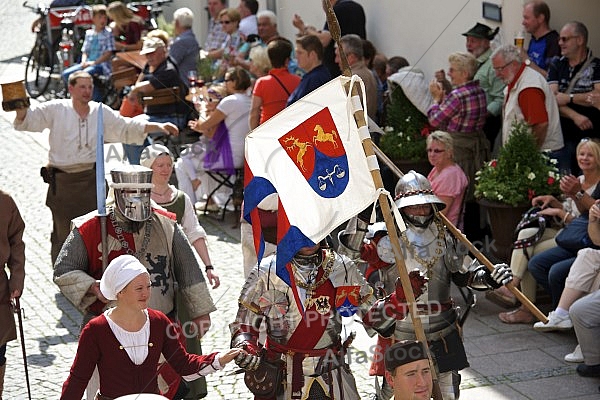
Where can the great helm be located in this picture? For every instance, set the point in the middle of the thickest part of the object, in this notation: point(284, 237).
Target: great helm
point(414, 189)
point(132, 185)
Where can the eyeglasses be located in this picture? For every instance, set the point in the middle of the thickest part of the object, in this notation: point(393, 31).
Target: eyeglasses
point(565, 38)
point(225, 22)
point(436, 151)
point(211, 100)
point(500, 69)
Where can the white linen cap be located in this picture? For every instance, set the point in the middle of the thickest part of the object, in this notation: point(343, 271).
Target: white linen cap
point(119, 273)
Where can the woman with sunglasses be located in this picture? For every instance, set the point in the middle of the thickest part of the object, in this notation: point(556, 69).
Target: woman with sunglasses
point(224, 57)
point(447, 178)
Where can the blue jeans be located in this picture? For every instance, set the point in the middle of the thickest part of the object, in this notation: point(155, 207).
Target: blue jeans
point(133, 152)
point(92, 70)
point(550, 269)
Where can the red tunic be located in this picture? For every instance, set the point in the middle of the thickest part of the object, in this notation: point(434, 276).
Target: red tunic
point(119, 376)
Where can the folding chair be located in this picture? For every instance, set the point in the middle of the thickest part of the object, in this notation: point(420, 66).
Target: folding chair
point(233, 181)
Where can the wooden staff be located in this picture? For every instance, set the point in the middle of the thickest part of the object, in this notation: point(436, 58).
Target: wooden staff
point(474, 250)
point(367, 143)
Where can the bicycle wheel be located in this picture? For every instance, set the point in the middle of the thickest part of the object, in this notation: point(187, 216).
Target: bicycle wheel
point(38, 71)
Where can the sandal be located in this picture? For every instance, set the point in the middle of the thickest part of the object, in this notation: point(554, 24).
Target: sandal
point(517, 316)
point(502, 297)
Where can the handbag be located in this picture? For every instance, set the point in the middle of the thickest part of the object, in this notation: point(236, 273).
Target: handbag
point(575, 236)
point(531, 219)
point(267, 380)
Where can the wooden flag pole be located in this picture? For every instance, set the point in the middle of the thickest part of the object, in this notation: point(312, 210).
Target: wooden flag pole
point(474, 250)
point(359, 116)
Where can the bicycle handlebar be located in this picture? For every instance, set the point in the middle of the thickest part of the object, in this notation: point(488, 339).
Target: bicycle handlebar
point(39, 9)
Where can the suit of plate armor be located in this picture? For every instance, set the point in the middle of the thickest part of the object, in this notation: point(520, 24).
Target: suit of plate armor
point(303, 322)
point(432, 251)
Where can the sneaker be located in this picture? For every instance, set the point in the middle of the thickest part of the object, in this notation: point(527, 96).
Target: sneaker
point(576, 356)
point(555, 323)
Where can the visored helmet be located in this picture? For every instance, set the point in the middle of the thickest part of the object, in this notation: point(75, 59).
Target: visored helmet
point(132, 185)
point(414, 189)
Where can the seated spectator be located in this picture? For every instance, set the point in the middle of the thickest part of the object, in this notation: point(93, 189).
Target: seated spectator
point(184, 49)
point(233, 110)
point(271, 92)
point(552, 209)
point(190, 167)
point(448, 180)
point(309, 52)
point(97, 50)
point(267, 26)
point(160, 72)
point(224, 57)
point(128, 340)
point(126, 27)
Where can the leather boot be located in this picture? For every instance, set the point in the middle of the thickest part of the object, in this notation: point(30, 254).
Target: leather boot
point(2, 369)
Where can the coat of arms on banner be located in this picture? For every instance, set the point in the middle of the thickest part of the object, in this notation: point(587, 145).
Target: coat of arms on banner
point(317, 150)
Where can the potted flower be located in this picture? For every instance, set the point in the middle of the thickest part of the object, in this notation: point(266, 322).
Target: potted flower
point(505, 186)
point(404, 135)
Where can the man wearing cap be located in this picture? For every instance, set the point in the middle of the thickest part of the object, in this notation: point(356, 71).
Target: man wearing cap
point(160, 72)
point(408, 371)
point(152, 236)
point(478, 44)
point(73, 125)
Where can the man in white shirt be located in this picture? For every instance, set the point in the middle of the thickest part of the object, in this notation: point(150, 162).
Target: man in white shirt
point(71, 167)
point(248, 23)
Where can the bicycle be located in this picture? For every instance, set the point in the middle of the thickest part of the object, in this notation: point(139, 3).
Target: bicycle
point(51, 55)
point(149, 11)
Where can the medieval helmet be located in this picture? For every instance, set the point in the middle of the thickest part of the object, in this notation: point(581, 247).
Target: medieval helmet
point(132, 185)
point(414, 189)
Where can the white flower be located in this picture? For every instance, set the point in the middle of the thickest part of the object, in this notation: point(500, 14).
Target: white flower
point(554, 161)
point(400, 134)
point(531, 176)
point(500, 197)
point(551, 174)
point(388, 129)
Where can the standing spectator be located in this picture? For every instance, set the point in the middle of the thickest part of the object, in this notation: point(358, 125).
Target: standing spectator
point(478, 44)
point(184, 49)
point(267, 26)
point(271, 92)
point(378, 68)
point(126, 27)
point(543, 46)
point(97, 50)
point(216, 35)
point(70, 172)
point(530, 99)
point(248, 23)
point(408, 371)
point(352, 20)
point(462, 114)
point(309, 52)
point(353, 48)
point(160, 72)
point(12, 256)
point(573, 78)
point(448, 180)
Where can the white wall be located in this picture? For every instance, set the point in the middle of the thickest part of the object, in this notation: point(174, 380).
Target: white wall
point(423, 31)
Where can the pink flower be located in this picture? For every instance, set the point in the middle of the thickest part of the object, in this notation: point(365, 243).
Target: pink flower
point(550, 180)
point(493, 163)
point(530, 193)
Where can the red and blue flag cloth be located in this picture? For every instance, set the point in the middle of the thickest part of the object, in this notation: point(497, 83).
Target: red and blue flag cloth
point(311, 155)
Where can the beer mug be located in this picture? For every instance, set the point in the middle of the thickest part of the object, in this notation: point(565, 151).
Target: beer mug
point(519, 40)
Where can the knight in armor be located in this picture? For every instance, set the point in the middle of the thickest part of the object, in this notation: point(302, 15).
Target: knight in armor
point(433, 260)
point(150, 234)
point(303, 326)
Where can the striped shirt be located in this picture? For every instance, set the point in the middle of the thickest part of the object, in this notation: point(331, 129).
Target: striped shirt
point(463, 110)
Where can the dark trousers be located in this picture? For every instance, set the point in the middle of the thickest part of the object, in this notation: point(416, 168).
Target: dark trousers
point(550, 269)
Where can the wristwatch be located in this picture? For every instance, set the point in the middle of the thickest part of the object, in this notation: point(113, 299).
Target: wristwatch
point(571, 98)
point(528, 62)
point(579, 195)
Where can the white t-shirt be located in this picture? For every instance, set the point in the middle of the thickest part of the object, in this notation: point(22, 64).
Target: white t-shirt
point(236, 108)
